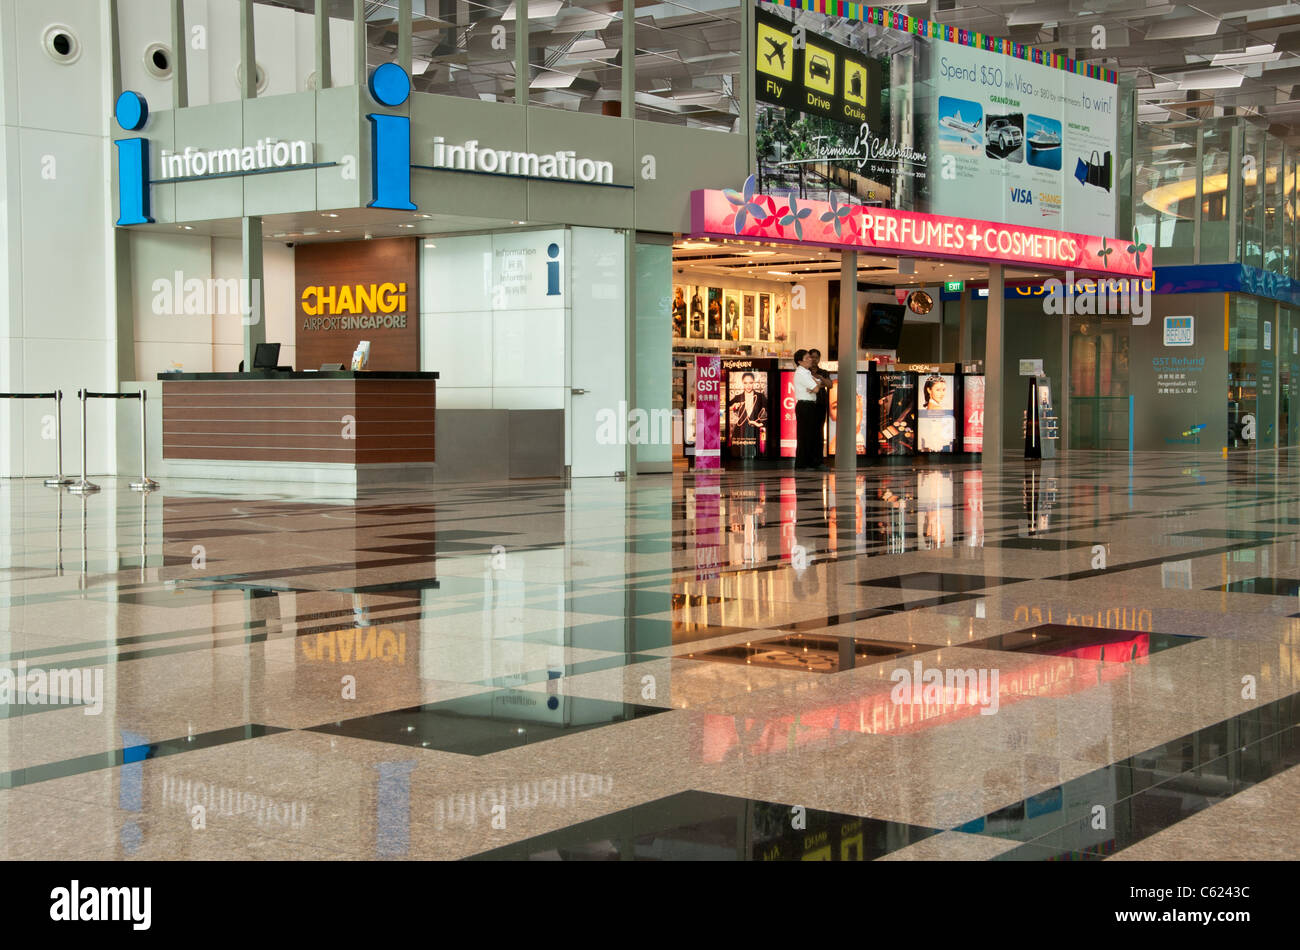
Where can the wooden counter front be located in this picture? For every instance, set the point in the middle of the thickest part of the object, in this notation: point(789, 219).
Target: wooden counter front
point(343, 418)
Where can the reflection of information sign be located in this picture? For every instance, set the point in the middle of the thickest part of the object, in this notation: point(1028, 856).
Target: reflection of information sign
point(1180, 331)
point(1031, 367)
point(708, 405)
point(1268, 334)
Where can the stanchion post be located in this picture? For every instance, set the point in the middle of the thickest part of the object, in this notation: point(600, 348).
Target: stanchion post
point(83, 486)
point(59, 480)
point(145, 483)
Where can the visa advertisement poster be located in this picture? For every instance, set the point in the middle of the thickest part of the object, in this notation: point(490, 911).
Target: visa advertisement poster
point(1022, 142)
point(851, 112)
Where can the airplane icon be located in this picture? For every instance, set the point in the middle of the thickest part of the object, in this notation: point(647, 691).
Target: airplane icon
point(778, 51)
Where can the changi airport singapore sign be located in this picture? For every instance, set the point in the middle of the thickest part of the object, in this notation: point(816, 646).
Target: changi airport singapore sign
point(856, 227)
point(938, 121)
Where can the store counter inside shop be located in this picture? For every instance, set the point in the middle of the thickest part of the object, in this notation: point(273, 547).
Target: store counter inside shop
point(331, 427)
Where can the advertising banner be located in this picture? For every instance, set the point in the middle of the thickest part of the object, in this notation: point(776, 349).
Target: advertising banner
point(747, 409)
point(789, 423)
point(896, 414)
point(860, 399)
point(1022, 142)
point(936, 425)
point(972, 439)
point(927, 121)
point(708, 411)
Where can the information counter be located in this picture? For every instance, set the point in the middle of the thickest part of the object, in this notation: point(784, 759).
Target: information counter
point(327, 427)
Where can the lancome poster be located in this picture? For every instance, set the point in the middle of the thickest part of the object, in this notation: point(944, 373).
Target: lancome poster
point(896, 414)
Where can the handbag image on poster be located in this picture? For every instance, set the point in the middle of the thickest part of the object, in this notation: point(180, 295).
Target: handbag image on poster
point(1095, 171)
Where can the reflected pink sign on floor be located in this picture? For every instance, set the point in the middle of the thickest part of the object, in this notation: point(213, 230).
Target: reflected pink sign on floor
point(708, 412)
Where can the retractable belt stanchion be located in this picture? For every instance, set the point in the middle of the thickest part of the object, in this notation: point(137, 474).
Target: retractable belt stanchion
point(83, 486)
point(57, 396)
point(145, 483)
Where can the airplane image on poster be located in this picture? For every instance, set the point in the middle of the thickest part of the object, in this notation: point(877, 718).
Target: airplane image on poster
point(961, 126)
point(964, 129)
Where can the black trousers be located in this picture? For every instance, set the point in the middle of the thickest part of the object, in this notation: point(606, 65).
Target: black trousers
point(808, 453)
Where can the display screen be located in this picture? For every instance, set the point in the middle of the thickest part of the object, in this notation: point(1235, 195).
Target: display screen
point(936, 423)
point(896, 414)
point(882, 327)
point(973, 410)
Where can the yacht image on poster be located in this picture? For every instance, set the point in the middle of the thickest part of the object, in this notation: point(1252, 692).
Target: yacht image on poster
point(1095, 170)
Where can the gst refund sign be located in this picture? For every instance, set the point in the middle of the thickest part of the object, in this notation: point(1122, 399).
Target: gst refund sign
point(914, 234)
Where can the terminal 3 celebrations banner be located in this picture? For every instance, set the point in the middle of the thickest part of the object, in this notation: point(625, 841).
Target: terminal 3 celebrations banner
point(861, 112)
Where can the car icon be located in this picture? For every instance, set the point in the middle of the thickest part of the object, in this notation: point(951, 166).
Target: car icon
point(1004, 135)
point(819, 68)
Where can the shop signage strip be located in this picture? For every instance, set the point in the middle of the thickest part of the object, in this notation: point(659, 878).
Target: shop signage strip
point(937, 31)
point(854, 227)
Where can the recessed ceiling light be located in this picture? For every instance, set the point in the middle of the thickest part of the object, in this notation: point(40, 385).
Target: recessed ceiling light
point(187, 227)
point(406, 225)
point(429, 244)
point(329, 214)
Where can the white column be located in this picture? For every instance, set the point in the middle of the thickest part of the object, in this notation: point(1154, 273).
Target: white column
point(995, 379)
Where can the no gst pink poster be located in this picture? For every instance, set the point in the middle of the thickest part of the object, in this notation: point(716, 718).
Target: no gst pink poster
point(708, 412)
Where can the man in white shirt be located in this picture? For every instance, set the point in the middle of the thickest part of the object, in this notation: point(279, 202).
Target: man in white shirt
point(808, 453)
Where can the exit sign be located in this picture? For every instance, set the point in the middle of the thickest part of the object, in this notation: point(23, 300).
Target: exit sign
point(954, 286)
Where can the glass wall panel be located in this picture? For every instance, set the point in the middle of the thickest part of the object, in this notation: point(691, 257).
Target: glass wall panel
point(575, 55)
point(1252, 196)
point(688, 60)
point(1288, 215)
point(1274, 214)
point(1243, 371)
point(1288, 418)
point(464, 48)
point(1165, 187)
point(1216, 143)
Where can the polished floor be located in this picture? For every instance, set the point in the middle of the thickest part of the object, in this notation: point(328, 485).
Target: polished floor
point(1090, 658)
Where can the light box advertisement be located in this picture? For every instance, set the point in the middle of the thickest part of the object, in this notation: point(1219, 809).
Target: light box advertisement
point(936, 424)
point(708, 412)
point(972, 439)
